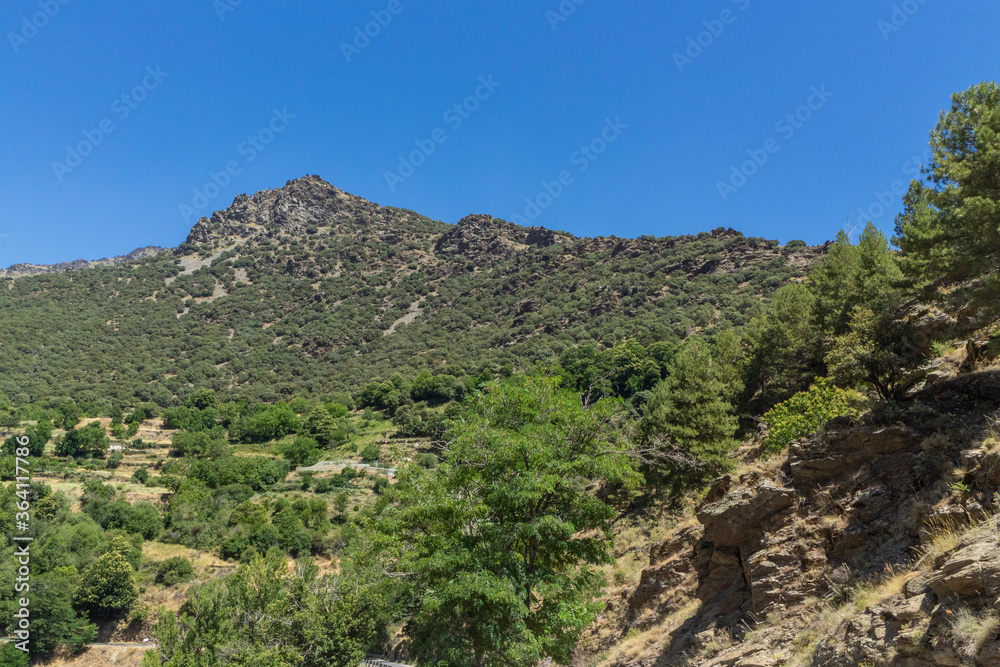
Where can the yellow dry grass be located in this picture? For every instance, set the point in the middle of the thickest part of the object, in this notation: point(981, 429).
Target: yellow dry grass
point(102, 656)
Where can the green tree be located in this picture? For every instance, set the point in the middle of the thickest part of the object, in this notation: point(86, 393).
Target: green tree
point(88, 441)
point(39, 435)
point(107, 587)
point(54, 621)
point(879, 351)
point(200, 445)
point(303, 451)
point(322, 426)
point(173, 571)
point(784, 350)
point(202, 399)
point(265, 616)
point(949, 225)
point(690, 408)
point(502, 538)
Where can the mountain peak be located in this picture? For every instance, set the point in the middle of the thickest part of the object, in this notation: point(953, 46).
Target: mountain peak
point(300, 205)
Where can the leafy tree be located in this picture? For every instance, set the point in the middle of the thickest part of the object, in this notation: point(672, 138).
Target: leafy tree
point(88, 441)
point(39, 435)
point(265, 616)
point(321, 425)
point(634, 369)
point(502, 537)
point(371, 452)
point(949, 225)
point(270, 423)
point(54, 621)
point(69, 414)
point(107, 587)
point(173, 571)
point(200, 445)
point(301, 452)
point(115, 460)
point(879, 351)
point(690, 408)
point(202, 399)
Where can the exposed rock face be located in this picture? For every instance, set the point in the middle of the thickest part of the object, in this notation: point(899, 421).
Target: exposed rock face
point(487, 239)
point(22, 270)
point(303, 203)
point(972, 569)
point(849, 504)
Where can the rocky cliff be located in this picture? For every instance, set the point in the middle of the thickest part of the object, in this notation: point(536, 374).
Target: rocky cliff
point(871, 543)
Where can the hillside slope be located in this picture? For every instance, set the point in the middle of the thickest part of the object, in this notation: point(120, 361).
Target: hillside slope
point(308, 289)
point(873, 542)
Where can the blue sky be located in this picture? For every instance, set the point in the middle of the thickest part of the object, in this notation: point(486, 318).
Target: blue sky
point(590, 114)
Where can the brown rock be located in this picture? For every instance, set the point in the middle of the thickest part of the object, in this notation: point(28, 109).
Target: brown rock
point(971, 570)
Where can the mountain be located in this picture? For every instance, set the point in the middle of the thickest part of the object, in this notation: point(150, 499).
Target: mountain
point(22, 270)
point(309, 289)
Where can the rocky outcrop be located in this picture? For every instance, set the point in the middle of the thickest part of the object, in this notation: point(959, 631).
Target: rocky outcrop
point(776, 551)
point(22, 270)
point(972, 569)
point(485, 239)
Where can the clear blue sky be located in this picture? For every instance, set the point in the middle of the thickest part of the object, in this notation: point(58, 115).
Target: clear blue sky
point(558, 87)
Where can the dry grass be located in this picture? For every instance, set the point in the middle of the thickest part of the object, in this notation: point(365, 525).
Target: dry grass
point(202, 560)
point(102, 656)
point(973, 630)
point(649, 642)
point(823, 619)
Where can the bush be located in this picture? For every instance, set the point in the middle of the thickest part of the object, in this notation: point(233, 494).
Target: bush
point(805, 412)
point(301, 452)
point(257, 472)
point(107, 587)
point(201, 445)
point(174, 571)
point(115, 460)
point(140, 476)
point(371, 453)
point(271, 423)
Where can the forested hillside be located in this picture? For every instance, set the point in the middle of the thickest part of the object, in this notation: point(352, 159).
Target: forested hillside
point(308, 290)
point(322, 429)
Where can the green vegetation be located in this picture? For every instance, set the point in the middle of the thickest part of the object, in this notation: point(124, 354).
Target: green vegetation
point(533, 392)
point(501, 538)
point(807, 411)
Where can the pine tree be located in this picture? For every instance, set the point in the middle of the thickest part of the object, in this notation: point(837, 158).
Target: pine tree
point(690, 408)
point(949, 225)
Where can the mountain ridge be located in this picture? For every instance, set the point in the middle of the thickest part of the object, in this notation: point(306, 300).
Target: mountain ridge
point(313, 289)
point(280, 208)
